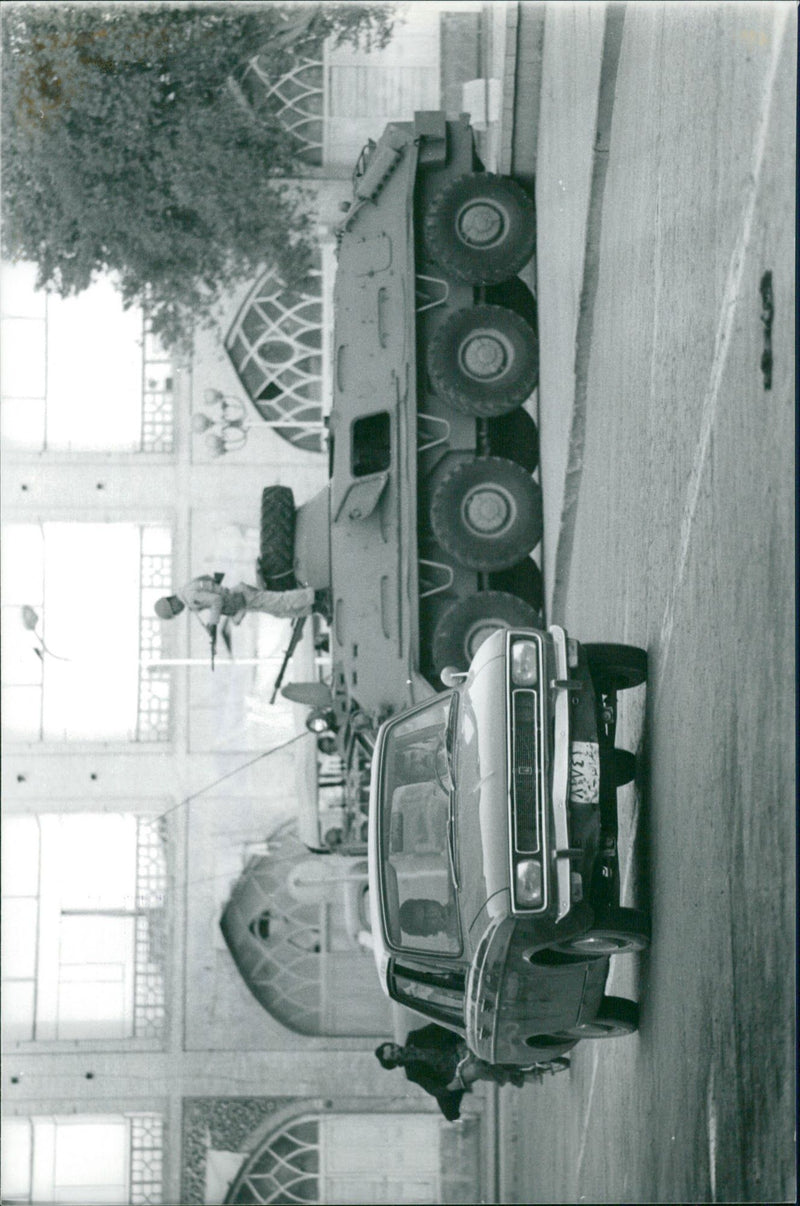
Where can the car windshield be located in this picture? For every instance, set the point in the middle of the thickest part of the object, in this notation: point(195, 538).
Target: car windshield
point(417, 867)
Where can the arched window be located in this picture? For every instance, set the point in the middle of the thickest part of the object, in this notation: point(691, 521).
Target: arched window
point(285, 1169)
point(350, 1157)
point(295, 99)
point(275, 346)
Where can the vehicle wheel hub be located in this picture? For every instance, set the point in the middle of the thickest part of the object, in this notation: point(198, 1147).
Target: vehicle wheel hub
point(488, 510)
point(481, 224)
point(485, 356)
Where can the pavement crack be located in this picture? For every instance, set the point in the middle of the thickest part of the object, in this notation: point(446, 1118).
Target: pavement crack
point(767, 316)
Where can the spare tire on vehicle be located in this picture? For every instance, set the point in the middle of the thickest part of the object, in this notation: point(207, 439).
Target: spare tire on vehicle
point(463, 626)
point(276, 560)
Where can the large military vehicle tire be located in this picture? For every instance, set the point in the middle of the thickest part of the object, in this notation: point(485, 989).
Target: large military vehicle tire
point(484, 360)
point(276, 560)
point(481, 228)
point(487, 513)
point(463, 627)
point(515, 436)
point(523, 580)
point(515, 295)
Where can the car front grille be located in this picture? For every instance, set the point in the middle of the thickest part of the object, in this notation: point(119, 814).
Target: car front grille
point(526, 772)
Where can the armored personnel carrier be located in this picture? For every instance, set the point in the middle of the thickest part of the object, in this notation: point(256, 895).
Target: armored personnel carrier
point(424, 530)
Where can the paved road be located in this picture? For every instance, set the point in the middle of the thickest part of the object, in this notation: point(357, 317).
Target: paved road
point(683, 542)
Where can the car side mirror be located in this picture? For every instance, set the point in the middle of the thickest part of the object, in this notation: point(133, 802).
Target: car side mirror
point(451, 676)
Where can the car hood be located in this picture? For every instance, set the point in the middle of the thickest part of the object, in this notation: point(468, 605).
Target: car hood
point(481, 802)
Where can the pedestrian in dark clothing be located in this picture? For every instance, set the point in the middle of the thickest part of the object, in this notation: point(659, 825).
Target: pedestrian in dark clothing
point(430, 1058)
point(439, 1061)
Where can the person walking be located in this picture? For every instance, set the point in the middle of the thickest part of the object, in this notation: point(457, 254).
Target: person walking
point(430, 1057)
point(439, 1061)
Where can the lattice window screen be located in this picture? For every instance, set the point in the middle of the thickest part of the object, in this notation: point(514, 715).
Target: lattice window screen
point(286, 1169)
point(275, 346)
point(155, 684)
point(147, 1158)
point(151, 947)
point(296, 99)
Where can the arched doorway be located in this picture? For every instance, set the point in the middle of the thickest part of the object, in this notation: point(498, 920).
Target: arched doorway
point(300, 955)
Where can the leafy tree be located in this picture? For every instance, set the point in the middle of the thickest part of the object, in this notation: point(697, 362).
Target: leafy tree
point(128, 147)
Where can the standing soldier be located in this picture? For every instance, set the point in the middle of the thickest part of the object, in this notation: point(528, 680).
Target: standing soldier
point(207, 592)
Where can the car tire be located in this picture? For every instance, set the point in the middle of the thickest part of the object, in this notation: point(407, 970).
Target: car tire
point(481, 228)
point(487, 513)
point(615, 1017)
point(622, 765)
point(484, 360)
point(616, 931)
point(616, 667)
point(516, 437)
point(276, 544)
point(461, 629)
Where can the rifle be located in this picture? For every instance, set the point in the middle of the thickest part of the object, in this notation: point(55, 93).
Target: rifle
point(211, 629)
point(297, 631)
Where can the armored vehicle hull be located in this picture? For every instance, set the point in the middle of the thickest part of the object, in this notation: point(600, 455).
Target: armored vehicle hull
point(424, 532)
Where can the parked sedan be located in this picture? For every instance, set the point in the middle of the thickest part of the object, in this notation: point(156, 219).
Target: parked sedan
point(494, 878)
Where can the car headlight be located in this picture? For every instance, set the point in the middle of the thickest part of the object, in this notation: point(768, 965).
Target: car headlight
point(528, 876)
point(524, 663)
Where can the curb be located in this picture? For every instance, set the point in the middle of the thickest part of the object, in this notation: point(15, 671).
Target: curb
point(612, 44)
point(509, 77)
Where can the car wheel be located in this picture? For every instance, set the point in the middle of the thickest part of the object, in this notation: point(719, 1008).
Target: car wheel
point(615, 932)
point(487, 513)
point(616, 667)
point(276, 560)
point(481, 228)
point(515, 436)
point(615, 1018)
point(622, 765)
point(484, 360)
point(463, 627)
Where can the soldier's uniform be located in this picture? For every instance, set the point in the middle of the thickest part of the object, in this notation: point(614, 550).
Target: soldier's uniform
point(205, 592)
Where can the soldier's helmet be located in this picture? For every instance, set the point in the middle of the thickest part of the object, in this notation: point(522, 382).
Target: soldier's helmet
point(168, 606)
